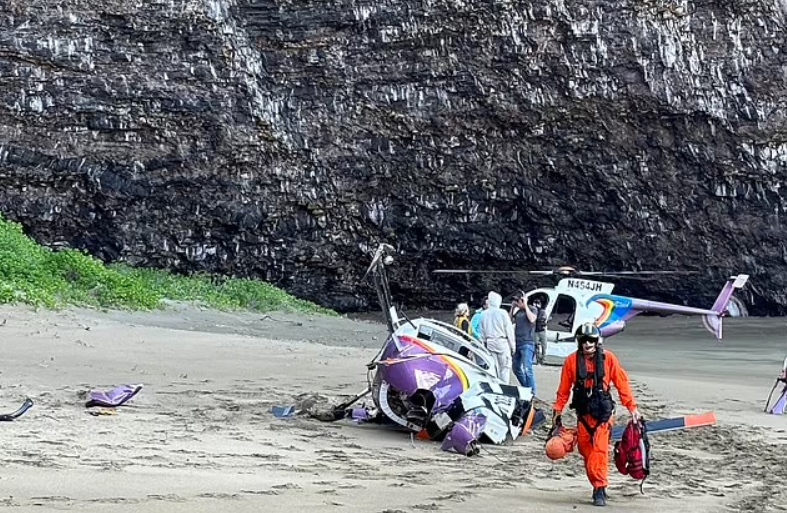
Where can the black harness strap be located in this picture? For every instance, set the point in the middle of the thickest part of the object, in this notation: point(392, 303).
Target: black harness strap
point(581, 405)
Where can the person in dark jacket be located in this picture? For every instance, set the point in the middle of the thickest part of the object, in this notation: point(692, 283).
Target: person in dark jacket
point(540, 331)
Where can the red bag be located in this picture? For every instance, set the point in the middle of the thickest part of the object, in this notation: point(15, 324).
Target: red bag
point(632, 451)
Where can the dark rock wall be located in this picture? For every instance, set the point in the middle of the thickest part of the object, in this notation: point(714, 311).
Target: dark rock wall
point(285, 140)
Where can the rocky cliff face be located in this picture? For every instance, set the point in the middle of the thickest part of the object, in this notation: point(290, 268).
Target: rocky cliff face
point(285, 139)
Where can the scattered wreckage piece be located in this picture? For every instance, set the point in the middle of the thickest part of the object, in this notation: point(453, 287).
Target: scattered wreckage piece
point(113, 398)
point(8, 417)
point(671, 424)
point(780, 406)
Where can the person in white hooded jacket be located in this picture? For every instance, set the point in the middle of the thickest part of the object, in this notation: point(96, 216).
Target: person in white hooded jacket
point(498, 335)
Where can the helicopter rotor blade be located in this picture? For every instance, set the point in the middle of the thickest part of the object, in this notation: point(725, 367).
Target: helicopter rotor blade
point(634, 273)
point(623, 277)
point(476, 271)
point(569, 271)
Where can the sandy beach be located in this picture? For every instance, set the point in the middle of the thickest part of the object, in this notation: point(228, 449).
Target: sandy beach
point(200, 437)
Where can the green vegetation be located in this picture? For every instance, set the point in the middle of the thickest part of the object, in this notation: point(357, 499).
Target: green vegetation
point(35, 275)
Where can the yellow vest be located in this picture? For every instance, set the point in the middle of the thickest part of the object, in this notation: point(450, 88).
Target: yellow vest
point(458, 323)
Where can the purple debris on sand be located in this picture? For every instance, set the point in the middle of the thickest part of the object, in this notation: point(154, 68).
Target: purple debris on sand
point(115, 397)
point(360, 414)
point(464, 434)
point(780, 408)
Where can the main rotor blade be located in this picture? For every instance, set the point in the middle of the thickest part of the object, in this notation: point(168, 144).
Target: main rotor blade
point(633, 273)
point(566, 272)
point(597, 277)
point(474, 271)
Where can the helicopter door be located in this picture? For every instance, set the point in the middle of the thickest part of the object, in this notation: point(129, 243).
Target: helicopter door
point(561, 321)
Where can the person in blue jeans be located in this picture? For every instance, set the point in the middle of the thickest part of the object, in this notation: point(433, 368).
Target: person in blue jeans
point(524, 318)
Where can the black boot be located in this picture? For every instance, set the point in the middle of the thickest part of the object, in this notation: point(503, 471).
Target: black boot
point(599, 497)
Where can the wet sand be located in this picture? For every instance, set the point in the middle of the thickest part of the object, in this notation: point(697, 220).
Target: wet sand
point(200, 435)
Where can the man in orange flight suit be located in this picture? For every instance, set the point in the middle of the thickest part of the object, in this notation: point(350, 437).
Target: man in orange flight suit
point(593, 403)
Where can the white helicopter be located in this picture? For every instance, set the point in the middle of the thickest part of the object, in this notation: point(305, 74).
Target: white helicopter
point(575, 300)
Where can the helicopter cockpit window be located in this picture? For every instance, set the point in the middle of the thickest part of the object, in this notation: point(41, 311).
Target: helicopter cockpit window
point(445, 341)
point(562, 318)
point(468, 353)
point(463, 348)
point(425, 332)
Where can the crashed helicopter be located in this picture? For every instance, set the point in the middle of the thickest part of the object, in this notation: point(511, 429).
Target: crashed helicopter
point(437, 381)
point(578, 298)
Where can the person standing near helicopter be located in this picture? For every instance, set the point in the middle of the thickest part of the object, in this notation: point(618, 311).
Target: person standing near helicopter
point(541, 330)
point(462, 318)
point(524, 318)
point(587, 375)
point(497, 333)
point(475, 321)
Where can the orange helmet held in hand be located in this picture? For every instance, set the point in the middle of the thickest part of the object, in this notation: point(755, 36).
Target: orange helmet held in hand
point(562, 443)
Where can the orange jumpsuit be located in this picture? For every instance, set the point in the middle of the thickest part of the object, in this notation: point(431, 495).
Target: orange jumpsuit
point(595, 450)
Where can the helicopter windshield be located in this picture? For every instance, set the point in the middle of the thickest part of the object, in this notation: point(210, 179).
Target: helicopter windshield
point(463, 345)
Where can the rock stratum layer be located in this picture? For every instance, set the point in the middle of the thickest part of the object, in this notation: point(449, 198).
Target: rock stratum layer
point(285, 140)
